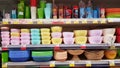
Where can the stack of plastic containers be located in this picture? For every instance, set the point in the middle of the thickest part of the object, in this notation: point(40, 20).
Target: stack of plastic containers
point(15, 37)
point(5, 36)
point(80, 36)
point(56, 35)
point(68, 37)
point(35, 36)
point(25, 37)
point(95, 36)
point(45, 34)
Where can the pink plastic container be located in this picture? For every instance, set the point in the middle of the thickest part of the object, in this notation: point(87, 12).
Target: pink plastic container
point(25, 42)
point(56, 34)
point(15, 38)
point(25, 34)
point(5, 36)
point(5, 33)
point(5, 39)
point(15, 30)
point(95, 39)
point(15, 42)
point(25, 38)
point(68, 40)
point(68, 34)
point(95, 32)
point(5, 43)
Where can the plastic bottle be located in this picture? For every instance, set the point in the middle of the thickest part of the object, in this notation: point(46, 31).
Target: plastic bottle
point(61, 11)
point(89, 10)
point(82, 9)
point(75, 12)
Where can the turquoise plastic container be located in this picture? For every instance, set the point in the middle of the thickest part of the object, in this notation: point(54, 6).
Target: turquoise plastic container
point(35, 42)
point(35, 34)
point(35, 37)
point(35, 30)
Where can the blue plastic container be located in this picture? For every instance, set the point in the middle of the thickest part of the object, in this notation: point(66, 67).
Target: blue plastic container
point(42, 58)
point(35, 37)
point(35, 34)
point(19, 56)
point(35, 30)
point(35, 42)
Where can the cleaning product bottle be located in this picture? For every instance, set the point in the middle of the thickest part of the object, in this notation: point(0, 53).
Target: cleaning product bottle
point(96, 13)
point(89, 10)
point(75, 12)
point(102, 12)
point(67, 12)
point(13, 14)
point(21, 9)
point(60, 10)
point(42, 4)
point(27, 12)
point(82, 9)
point(33, 8)
point(55, 12)
point(40, 12)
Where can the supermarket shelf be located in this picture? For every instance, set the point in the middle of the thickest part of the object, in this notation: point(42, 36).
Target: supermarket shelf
point(81, 63)
point(61, 46)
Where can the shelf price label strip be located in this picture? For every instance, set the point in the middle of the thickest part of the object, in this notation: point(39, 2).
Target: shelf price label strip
point(23, 47)
point(88, 64)
point(5, 21)
point(40, 22)
point(95, 21)
point(52, 64)
point(111, 63)
point(84, 21)
point(71, 64)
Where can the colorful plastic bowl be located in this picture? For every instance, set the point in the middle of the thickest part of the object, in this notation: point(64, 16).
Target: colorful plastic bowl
point(80, 40)
point(80, 33)
point(45, 33)
point(35, 30)
point(25, 31)
point(95, 40)
point(45, 30)
point(5, 33)
point(68, 34)
point(35, 42)
point(15, 34)
point(15, 38)
point(25, 42)
point(25, 38)
point(56, 34)
point(56, 29)
point(5, 43)
point(5, 39)
point(56, 40)
point(109, 39)
point(35, 34)
point(25, 34)
point(109, 31)
point(95, 32)
point(15, 42)
point(46, 37)
point(35, 37)
point(68, 40)
point(46, 41)
point(15, 30)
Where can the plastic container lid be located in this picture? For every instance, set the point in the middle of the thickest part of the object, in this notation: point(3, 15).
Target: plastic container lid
point(42, 53)
point(33, 2)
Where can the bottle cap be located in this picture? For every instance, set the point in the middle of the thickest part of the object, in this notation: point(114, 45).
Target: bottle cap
point(33, 2)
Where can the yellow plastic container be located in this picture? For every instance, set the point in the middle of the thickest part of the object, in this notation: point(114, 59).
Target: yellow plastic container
point(80, 33)
point(46, 37)
point(80, 40)
point(45, 30)
point(56, 29)
point(25, 30)
point(56, 40)
point(15, 34)
point(46, 41)
point(45, 33)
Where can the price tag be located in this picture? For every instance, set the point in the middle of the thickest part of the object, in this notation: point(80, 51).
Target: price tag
point(103, 21)
point(23, 47)
point(76, 22)
point(68, 22)
point(39, 22)
point(88, 64)
point(5, 21)
point(95, 21)
point(83, 47)
point(112, 47)
point(110, 20)
point(15, 22)
point(71, 64)
point(84, 21)
point(4, 65)
point(57, 47)
point(111, 63)
point(52, 64)
point(30, 22)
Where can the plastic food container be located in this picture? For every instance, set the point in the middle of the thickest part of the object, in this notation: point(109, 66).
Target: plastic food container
point(46, 37)
point(35, 30)
point(25, 31)
point(118, 31)
point(25, 38)
point(80, 40)
point(118, 39)
point(109, 31)
point(80, 33)
point(56, 40)
point(46, 41)
point(15, 34)
point(56, 34)
point(15, 30)
point(45, 34)
point(95, 32)
point(95, 40)
point(42, 56)
point(15, 42)
point(45, 30)
point(56, 29)
point(25, 34)
point(19, 56)
point(109, 39)
point(68, 34)
point(15, 38)
point(5, 36)
point(35, 37)
point(4, 57)
point(111, 54)
point(5, 39)
point(94, 55)
point(25, 42)
point(35, 42)
point(68, 40)
point(5, 33)
point(5, 43)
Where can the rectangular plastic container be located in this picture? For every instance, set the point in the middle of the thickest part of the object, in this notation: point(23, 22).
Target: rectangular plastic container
point(4, 57)
point(35, 30)
point(19, 56)
point(35, 42)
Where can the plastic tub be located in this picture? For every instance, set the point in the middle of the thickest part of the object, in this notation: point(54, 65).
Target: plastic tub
point(5, 36)
point(95, 32)
point(35, 37)
point(56, 34)
point(25, 34)
point(25, 38)
point(19, 56)
point(46, 37)
point(15, 34)
point(35, 34)
point(109, 31)
point(15, 38)
point(5, 33)
point(45, 30)
point(42, 53)
point(35, 30)
point(25, 31)
point(56, 29)
point(80, 33)
point(56, 40)
point(25, 42)
point(68, 40)
point(35, 42)
point(15, 30)
point(80, 40)
point(109, 39)
point(15, 42)
point(5, 39)
point(42, 58)
point(46, 41)
point(4, 57)
point(45, 33)
point(68, 34)
point(5, 43)
point(95, 40)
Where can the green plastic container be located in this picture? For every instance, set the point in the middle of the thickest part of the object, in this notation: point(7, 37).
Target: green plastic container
point(42, 53)
point(4, 57)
